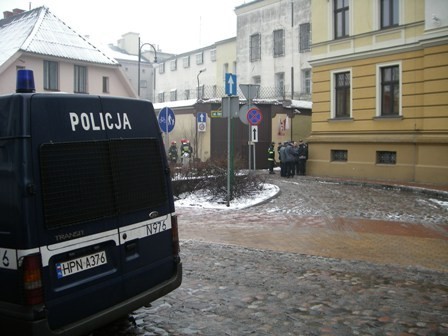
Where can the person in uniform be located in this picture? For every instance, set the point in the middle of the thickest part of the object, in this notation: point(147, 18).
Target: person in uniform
point(173, 153)
point(271, 157)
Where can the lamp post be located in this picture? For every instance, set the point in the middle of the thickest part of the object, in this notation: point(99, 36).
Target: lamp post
point(140, 46)
point(200, 71)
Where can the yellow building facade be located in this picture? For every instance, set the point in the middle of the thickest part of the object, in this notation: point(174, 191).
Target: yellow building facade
point(380, 90)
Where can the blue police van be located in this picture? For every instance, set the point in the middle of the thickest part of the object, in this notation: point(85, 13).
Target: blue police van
point(88, 230)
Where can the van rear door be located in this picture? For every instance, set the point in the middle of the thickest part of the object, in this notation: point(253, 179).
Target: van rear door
point(103, 202)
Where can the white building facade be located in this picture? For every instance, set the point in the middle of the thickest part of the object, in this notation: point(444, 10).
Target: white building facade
point(273, 47)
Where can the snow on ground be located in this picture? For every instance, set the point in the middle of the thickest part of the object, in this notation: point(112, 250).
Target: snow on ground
point(200, 199)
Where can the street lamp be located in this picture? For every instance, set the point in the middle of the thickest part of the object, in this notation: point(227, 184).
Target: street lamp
point(140, 46)
point(200, 71)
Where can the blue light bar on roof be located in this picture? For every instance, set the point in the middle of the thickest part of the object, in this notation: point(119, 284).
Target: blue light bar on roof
point(25, 81)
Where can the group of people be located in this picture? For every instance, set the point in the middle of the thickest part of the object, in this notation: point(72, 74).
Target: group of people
point(292, 156)
point(186, 152)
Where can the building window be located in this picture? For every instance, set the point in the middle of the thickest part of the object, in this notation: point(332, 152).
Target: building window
point(161, 68)
point(256, 79)
point(105, 84)
point(173, 95)
point(384, 157)
point(342, 95)
point(339, 155)
point(51, 75)
point(341, 18)
point(389, 13)
point(186, 61)
point(161, 97)
point(225, 69)
point(187, 94)
point(255, 47)
point(80, 79)
point(200, 58)
point(306, 75)
point(213, 55)
point(304, 37)
point(389, 90)
point(280, 84)
point(173, 65)
point(279, 43)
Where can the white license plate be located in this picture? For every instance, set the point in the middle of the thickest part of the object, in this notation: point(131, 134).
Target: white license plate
point(77, 265)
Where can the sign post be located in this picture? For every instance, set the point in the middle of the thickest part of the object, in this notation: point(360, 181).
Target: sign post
point(250, 91)
point(230, 107)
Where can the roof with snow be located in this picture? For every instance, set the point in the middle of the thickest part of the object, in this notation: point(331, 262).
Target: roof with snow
point(38, 31)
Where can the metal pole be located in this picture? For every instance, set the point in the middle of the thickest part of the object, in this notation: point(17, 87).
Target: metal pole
point(229, 117)
point(138, 76)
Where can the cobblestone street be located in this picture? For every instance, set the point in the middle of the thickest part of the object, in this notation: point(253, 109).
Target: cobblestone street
point(321, 258)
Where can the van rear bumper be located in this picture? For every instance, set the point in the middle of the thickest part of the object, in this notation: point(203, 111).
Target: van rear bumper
point(18, 324)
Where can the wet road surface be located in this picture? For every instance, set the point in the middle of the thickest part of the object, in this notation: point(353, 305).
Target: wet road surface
point(321, 258)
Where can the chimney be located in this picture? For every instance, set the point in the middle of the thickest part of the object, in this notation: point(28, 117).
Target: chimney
point(15, 11)
point(7, 14)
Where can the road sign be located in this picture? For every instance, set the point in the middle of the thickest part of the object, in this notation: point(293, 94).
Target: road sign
point(166, 119)
point(230, 106)
point(230, 84)
point(216, 114)
point(254, 116)
point(202, 121)
point(202, 117)
point(254, 133)
point(250, 91)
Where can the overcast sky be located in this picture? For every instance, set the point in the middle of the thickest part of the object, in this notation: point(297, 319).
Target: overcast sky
point(175, 26)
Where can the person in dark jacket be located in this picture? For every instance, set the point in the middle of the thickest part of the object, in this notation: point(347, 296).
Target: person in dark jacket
point(302, 153)
point(282, 155)
point(290, 159)
point(271, 157)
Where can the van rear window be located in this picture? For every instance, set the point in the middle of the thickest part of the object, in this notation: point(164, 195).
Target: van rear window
point(83, 181)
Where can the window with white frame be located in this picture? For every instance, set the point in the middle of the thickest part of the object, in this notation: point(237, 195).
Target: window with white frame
point(200, 58)
point(389, 13)
point(255, 47)
point(341, 18)
point(256, 79)
point(280, 84)
point(341, 94)
point(306, 76)
point(279, 42)
point(187, 94)
point(161, 97)
point(389, 90)
point(80, 85)
point(105, 84)
point(173, 65)
point(173, 95)
point(304, 37)
point(51, 75)
point(186, 61)
point(213, 55)
point(161, 68)
point(225, 69)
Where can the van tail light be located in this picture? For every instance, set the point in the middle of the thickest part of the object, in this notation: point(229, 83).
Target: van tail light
point(175, 235)
point(32, 280)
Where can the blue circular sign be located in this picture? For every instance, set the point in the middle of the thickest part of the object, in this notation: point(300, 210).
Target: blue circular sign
point(166, 119)
point(254, 116)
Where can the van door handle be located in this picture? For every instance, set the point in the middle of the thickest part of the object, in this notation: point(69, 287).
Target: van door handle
point(131, 246)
